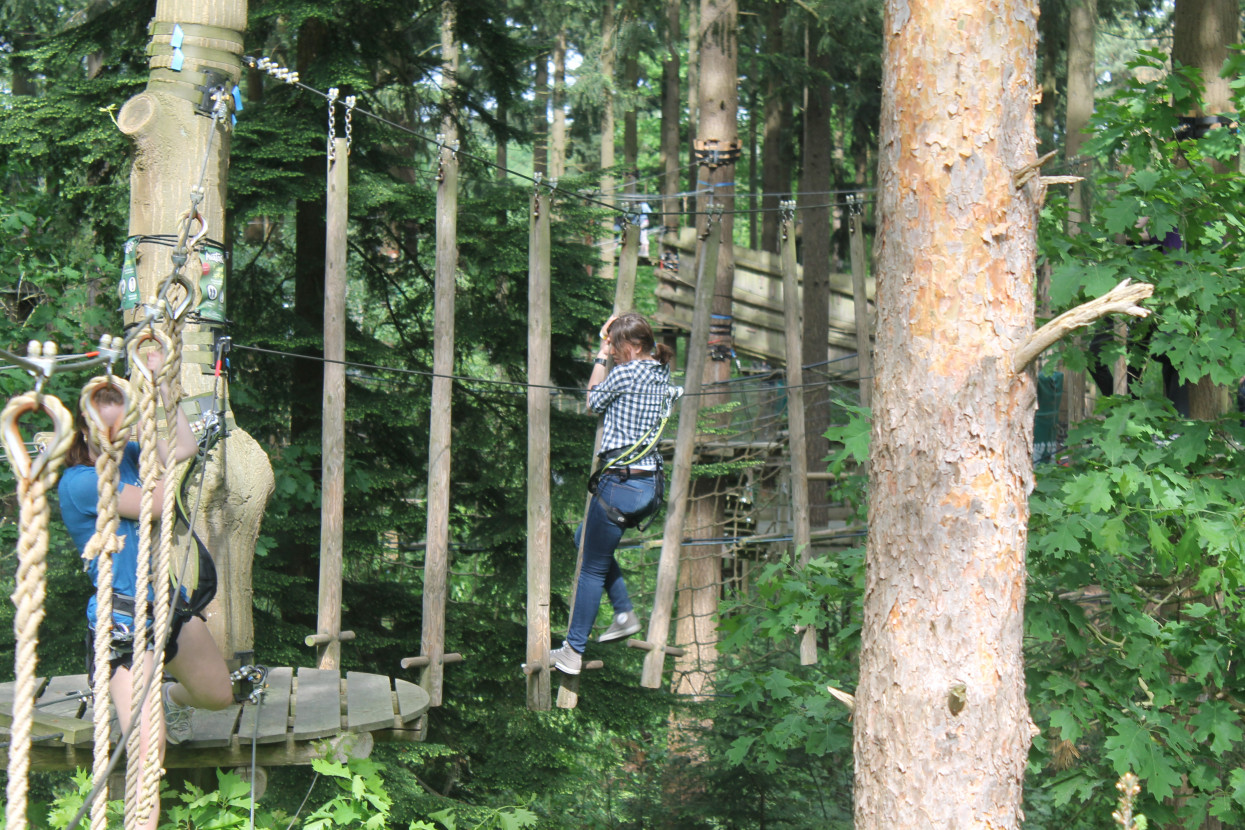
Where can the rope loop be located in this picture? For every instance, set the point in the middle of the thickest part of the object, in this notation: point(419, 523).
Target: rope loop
point(29, 470)
point(139, 365)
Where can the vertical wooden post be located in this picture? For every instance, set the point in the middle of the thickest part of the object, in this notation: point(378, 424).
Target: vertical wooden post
point(801, 535)
point(437, 554)
point(333, 440)
point(624, 298)
point(539, 513)
point(684, 448)
point(864, 348)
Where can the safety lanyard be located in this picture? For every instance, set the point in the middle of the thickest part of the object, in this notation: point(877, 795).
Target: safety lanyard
point(639, 449)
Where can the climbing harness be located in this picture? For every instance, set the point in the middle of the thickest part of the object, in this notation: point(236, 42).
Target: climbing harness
point(622, 460)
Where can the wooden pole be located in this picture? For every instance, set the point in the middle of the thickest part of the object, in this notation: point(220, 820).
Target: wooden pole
point(172, 137)
point(333, 440)
point(539, 513)
point(864, 348)
point(684, 448)
point(437, 556)
point(624, 299)
point(795, 416)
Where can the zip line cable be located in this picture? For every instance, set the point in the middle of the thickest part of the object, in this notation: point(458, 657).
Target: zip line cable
point(291, 78)
point(715, 388)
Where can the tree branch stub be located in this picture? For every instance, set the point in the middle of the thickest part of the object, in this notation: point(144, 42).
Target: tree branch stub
point(1122, 299)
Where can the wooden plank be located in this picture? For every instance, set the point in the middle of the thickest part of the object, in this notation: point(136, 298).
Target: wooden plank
point(412, 700)
point(210, 729)
point(369, 702)
point(317, 704)
point(63, 696)
point(273, 713)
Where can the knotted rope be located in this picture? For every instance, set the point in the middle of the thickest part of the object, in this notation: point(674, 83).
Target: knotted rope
point(101, 547)
point(138, 802)
point(34, 479)
point(169, 374)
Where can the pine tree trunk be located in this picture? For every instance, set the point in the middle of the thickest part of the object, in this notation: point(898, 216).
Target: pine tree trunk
point(815, 221)
point(942, 729)
point(774, 149)
point(1202, 31)
point(557, 149)
point(540, 117)
point(608, 39)
point(670, 118)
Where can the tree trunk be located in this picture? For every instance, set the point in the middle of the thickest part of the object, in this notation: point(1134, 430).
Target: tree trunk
point(774, 148)
point(815, 217)
point(1202, 31)
point(693, 100)
point(557, 149)
point(670, 119)
point(1082, 21)
point(700, 572)
point(607, 133)
point(540, 117)
point(942, 729)
point(170, 144)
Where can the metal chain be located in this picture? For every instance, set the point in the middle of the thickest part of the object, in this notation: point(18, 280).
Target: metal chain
point(350, 100)
point(332, 96)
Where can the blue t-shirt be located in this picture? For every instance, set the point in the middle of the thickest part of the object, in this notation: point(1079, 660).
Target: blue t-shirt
point(79, 498)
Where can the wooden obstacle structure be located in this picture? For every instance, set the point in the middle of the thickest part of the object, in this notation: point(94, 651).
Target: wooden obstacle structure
point(301, 709)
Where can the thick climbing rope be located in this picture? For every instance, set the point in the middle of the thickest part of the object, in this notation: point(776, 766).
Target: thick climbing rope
point(138, 809)
point(162, 612)
point(34, 479)
point(101, 547)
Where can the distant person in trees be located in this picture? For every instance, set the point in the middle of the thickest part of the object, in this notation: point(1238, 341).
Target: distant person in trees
point(191, 655)
point(635, 398)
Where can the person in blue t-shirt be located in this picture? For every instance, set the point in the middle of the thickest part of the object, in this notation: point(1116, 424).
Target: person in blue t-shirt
point(191, 655)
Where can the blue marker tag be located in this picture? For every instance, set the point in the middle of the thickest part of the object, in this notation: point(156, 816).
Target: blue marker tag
point(237, 99)
point(175, 40)
point(178, 59)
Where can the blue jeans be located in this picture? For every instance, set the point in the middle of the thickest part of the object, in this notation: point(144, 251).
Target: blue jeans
point(600, 572)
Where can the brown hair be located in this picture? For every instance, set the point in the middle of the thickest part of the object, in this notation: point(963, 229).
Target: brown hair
point(634, 329)
point(79, 452)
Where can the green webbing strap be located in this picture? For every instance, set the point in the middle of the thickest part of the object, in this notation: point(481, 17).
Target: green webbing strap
point(195, 30)
point(196, 53)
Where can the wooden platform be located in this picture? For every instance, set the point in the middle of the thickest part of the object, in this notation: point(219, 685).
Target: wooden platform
point(300, 711)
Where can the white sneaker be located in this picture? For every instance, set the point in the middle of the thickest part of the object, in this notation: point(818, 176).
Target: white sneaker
point(177, 727)
point(624, 625)
point(566, 659)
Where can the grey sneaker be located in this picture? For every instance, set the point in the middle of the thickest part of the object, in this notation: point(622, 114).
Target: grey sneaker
point(176, 719)
point(624, 625)
point(566, 659)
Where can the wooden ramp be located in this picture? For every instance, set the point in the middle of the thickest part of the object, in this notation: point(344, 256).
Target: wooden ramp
point(301, 711)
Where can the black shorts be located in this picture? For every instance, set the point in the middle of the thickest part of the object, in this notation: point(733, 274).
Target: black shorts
point(122, 656)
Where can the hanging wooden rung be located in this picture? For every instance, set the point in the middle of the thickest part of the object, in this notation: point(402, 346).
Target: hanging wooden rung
point(673, 651)
point(424, 660)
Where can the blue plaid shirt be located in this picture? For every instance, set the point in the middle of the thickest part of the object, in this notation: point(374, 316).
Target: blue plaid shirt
point(633, 397)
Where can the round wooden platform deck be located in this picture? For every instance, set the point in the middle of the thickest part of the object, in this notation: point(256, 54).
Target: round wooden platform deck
point(301, 710)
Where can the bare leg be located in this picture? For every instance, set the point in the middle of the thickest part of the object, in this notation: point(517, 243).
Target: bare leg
point(203, 677)
point(119, 684)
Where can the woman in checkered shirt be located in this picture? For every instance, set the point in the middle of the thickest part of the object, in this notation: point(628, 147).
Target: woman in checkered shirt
point(634, 397)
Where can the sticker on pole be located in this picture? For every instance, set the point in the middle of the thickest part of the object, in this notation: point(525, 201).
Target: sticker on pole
point(128, 289)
